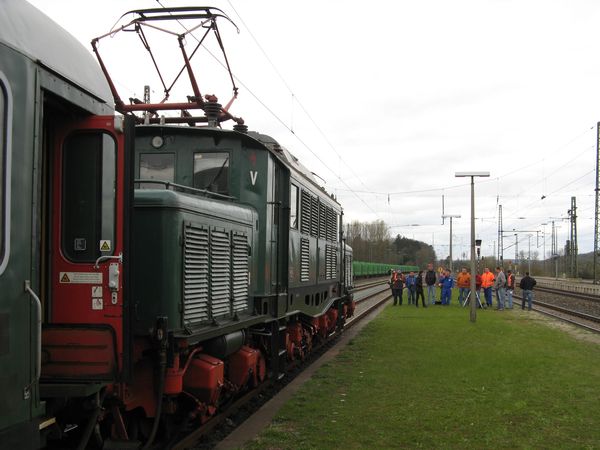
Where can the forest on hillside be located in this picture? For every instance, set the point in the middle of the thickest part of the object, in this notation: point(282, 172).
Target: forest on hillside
point(373, 242)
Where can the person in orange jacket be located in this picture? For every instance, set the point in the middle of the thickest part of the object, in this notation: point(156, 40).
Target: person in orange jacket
point(487, 281)
point(463, 282)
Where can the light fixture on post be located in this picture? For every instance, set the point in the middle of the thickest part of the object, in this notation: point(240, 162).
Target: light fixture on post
point(473, 243)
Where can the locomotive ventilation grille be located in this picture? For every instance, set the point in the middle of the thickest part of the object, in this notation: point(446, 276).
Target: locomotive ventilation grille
point(349, 274)
point(316, 218)
point(304, 259)
point(215, 273)
point(330, 262)
point(220, 273)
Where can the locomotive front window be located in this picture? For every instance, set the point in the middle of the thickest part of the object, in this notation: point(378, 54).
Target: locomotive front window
point(88, 197)
point(211, 171)
point(156, 166)
point(294, 207)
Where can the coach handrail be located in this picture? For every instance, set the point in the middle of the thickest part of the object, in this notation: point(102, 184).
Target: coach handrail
point(38, 308)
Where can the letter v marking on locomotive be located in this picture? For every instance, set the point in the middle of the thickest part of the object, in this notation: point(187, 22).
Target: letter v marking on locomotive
point(253, 177)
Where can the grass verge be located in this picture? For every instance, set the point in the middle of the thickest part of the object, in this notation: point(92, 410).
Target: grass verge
point(428, 378)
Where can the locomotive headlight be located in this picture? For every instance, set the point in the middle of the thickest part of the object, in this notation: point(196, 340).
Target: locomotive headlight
point(157, 141)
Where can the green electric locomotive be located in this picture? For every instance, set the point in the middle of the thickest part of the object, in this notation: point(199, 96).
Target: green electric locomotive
point(150, 271)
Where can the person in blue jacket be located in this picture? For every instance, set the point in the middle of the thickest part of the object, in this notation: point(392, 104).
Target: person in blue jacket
point(411, 286)
point(447, 284)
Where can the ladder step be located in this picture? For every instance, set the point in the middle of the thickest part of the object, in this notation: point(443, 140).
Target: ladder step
point(46, 422)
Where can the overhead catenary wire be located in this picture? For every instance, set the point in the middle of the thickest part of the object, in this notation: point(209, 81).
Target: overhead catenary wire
point(294, 96)
point(281, 121)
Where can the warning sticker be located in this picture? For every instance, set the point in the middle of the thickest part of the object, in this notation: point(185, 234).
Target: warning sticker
point(80, 277)
point(105, 245)
point(97, 291)
point(97, 304)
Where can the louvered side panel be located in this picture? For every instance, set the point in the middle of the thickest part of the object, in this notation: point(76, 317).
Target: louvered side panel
point(240, 272)
point(195, 275)
point(334, 262)
point(305, 213)
point(331, 226)
point(330, 261)
point(322, 221)
point(348, 270)
point(304, 259)
point(220, 273)
point(314, 216)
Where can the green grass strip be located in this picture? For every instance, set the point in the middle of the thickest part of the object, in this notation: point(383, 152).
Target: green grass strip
point(428, 378)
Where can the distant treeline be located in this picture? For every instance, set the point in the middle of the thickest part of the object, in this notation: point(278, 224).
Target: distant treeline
point(373, 242)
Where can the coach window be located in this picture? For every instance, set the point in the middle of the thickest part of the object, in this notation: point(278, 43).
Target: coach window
point(294, 206)
point(3, 152)
point(156, 166)
point(88, 197)
point(211, 172)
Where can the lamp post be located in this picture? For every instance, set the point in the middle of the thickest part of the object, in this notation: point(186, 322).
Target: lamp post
point(473, 315)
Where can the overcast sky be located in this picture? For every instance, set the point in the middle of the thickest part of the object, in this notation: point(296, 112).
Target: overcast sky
point(385, 101)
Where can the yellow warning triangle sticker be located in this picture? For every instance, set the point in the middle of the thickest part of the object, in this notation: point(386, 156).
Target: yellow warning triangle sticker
point(105, 247)
point(65, 278)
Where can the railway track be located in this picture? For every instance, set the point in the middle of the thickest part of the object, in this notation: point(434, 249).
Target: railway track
point(200, 438)
point(578, 318)
point(593, 298)
point(370, 283)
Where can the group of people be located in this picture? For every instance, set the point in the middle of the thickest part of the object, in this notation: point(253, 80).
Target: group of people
point(413, 284)
point(503, 284)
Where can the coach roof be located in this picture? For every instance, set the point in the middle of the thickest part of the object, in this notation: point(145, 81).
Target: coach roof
point(32, 33)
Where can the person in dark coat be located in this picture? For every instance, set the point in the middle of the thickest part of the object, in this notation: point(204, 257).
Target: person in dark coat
point(527, 284)
point(397, 284)
point(430, 279)
point(419, 285)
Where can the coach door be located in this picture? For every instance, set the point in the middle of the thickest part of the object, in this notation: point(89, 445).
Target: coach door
point(88, 221)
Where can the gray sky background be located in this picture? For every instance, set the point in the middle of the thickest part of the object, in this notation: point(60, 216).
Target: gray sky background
point(385, 101)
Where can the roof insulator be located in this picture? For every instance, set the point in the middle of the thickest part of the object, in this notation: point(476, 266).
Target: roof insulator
point(212, 111)
point(241, 128)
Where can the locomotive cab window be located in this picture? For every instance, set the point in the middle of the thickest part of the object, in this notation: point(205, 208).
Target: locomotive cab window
point(294, 206)
point(88, 195)
point(211, 171)
point(156, 166)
